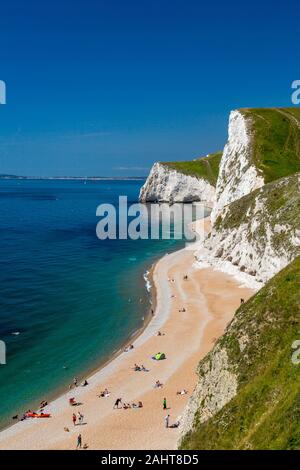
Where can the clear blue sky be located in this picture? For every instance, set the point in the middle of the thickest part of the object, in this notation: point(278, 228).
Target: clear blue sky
point(109, 87)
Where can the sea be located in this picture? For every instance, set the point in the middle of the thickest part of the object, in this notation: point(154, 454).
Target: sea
point(68, 300)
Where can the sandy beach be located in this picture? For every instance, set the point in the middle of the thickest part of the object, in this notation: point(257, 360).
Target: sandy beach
point(210, 299)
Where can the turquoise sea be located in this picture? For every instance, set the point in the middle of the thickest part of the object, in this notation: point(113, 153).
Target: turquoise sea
point(67, 299)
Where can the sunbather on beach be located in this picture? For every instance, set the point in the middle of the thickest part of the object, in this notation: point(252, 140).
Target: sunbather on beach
point(174, 425)
point(158, 384)
point(137, 405)
point(182, 392)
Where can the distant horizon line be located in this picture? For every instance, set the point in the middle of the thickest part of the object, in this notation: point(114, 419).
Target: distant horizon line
point(80, 178)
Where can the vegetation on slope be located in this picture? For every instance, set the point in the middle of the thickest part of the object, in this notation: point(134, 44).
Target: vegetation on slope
point(276, 141)
point(276, 203)
point(206, 167)
point(265, 413)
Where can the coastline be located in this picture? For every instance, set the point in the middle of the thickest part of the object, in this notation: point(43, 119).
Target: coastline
point(176, 371)
point(63, 389)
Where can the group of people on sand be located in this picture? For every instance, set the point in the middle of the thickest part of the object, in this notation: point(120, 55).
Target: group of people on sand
point(78, 418)
point(120, 404)
point(167, 422)
point(141, 368)
point(28, 413)
point(75, 383)
point(125, 406)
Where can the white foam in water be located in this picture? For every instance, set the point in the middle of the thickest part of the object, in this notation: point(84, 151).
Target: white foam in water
point(147, 281)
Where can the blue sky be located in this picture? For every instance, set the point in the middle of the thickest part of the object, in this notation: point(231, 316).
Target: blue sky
point(109, 87)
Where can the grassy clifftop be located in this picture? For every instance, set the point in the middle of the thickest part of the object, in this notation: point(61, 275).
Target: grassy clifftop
point(265, 413)
point(206, 168)
point(275, 140)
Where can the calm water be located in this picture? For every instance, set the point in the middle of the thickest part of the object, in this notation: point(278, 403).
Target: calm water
point(72, 298)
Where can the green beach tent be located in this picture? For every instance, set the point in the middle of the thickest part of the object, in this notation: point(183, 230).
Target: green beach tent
point(159, 356)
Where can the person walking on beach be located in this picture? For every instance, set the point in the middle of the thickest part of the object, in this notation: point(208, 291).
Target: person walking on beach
point(167, 419)
point(75, 382)
point(164, 404)
point(74, 419)
point(117, 403)
point(79, 441)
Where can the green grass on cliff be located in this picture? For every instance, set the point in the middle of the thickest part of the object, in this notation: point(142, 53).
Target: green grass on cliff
point(206, 168)
point(280, 204)
point(265, 413)
point(276, 140)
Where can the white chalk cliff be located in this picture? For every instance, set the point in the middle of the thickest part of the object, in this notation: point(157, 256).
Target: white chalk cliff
point(255, 234)
point(165, 184)
point(238, 176)
point(250, 239)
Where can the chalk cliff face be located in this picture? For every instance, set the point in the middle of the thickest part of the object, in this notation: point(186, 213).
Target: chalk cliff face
point(256, 237)
point(258, 234)
point(216, 386)
point(165, 184)
point(238, 176)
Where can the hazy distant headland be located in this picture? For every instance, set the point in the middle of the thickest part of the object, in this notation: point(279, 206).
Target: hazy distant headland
point(78, 178)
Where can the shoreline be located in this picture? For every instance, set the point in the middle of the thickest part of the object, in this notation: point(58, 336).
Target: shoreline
point(185, 344)
point(63, 389)
point(106, 366)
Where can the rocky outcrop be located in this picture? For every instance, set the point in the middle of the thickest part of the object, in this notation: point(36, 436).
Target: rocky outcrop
point(165, 184)
point(238, 176)
point(216, 386)
point(259, 234)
